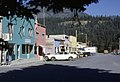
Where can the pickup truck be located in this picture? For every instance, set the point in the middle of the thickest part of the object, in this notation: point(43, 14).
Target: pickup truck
point(60, 56)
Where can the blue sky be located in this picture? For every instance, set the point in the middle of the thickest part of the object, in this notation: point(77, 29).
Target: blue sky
point(105, 8)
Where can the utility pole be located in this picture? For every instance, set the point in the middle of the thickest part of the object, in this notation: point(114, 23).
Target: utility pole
point(86, 38)
point(119, 43)
point(76, 35)
point(44, 16)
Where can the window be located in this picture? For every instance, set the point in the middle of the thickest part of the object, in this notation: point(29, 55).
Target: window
point(9, 28)
point(43, 36)
point(30, 32)
point(23, 30)
point(23, 49)
point(62, 48)
point(31, 48)
point(26, 49)
point(37, 35)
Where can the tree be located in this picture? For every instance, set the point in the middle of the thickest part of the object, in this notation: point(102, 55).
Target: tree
point(59, 5)
point(26, 8)
point(9, 8)
point(103, 32)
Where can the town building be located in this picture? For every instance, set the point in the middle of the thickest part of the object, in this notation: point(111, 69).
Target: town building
point(57, 43)
point(20, 36)
point(39, 39)
point(73, 43)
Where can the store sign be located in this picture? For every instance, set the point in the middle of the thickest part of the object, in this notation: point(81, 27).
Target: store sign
point(27, 41)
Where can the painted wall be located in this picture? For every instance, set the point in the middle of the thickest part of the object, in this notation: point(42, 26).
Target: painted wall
point(57, 43)
point(73, 41)
point(49, 45)
point(40, 35)
point(40, 39)
point(22, 32)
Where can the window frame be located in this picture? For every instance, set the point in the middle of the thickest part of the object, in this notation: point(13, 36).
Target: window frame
point(30, 32)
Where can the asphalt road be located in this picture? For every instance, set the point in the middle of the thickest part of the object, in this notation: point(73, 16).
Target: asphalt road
point(98, 68)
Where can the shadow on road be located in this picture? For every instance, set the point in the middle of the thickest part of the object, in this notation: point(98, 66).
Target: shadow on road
point(58, 73)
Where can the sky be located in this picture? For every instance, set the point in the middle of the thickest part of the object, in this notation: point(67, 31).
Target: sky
point(104, 7)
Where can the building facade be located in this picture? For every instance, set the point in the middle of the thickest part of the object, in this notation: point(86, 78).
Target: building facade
point(49, 45)
point(20, 35)
point(57, 43)
point(73, 43)
point(39, 39)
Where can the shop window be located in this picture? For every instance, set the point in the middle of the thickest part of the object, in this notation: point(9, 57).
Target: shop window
point(26, 49)
point(31, 48)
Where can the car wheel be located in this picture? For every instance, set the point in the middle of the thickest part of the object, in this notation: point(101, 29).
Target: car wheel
point(53, 58)
point(78, 56)
point(70, 58)
point(46, 58)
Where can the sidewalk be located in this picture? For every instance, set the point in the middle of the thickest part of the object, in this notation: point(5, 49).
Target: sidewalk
point(25, 62)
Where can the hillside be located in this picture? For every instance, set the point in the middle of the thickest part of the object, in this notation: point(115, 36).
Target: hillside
point(66, 13)
point(102, 32)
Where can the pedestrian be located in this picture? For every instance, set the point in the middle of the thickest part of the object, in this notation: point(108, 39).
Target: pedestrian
point(6, 58)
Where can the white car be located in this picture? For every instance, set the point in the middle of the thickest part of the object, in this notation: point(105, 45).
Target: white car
point(60, 56)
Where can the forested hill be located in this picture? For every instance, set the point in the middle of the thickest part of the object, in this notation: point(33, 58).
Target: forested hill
point(102, 32)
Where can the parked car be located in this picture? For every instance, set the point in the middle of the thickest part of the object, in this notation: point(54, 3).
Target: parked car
point(74, 52)
point(61, 56)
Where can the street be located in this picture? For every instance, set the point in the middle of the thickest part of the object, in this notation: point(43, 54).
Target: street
point(97, 68)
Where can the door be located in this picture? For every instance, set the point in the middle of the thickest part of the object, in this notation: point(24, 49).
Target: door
point(18, 51)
